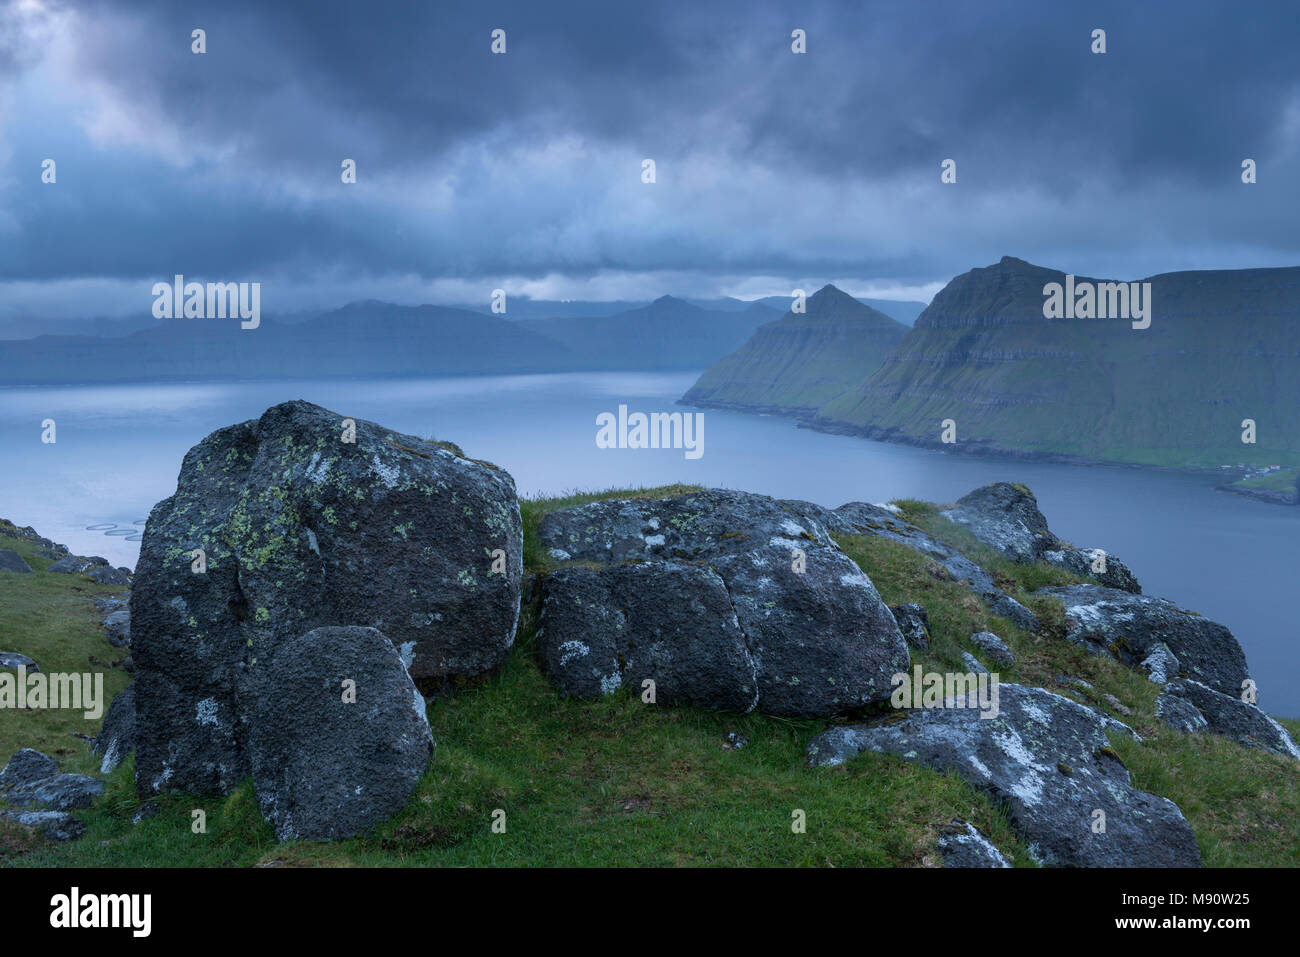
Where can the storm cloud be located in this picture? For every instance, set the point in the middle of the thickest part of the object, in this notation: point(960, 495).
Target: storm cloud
point(523, 170)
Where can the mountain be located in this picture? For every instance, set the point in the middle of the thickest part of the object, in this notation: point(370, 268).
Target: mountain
point(905, 311)
point(795, 365)
point(1222, 346)
point(17, 327)
point(367, 338)
point(669, 333)
point(379, 338)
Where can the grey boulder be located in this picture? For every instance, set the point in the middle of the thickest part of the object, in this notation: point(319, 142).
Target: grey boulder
point(26, 767)
point(1005, 516)
point(326, 768)
point(668, 623)
point(52, 825)
point(994, 648)
point(108, 575)
point(1130, 628)
point(1048, 761)
point(12, 661)
point(113, 603)
point(779, 618)
point(11, 561)
point(1110, 571)
point(302, 529)
point(1182, 701)
point(117, 627)
point(32, 779)
point(1180, 714)
point(74, 564)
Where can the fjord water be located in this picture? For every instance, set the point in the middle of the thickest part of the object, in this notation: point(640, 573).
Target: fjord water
point(119, 449)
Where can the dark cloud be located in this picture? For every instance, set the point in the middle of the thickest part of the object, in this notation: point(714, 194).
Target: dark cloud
point(475, 165)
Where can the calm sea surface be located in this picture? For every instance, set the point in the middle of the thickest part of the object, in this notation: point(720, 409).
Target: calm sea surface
point(119, 449)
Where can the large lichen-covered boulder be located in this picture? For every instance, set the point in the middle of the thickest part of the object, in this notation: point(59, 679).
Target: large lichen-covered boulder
point(307, 519)
point(338, 734)
point(1130, 628)
point(820, 639)
point(1048, 761)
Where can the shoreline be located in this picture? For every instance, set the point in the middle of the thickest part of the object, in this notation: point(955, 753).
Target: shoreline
point(813, 423)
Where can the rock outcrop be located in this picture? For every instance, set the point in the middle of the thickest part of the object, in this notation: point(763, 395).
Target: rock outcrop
point(859, 518)
point(784, 621)
point(1093, 563)
point(1131, 628)
point(1048, 760)
point(1005, 516)
point(1190, 706)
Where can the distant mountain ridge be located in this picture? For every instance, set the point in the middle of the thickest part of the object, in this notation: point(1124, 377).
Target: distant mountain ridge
point(905, 311)
point(379, 338)
point(1223, 347)
point(669, 333)
point(803, 360)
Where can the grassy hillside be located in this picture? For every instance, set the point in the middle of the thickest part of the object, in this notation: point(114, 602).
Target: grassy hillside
point(798, 363)
point(618, 782)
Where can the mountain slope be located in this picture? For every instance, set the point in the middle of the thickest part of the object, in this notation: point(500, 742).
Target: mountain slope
point(796, 364)
point(1223, 346)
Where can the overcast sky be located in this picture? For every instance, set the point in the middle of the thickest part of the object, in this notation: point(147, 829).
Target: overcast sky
point(523, 170)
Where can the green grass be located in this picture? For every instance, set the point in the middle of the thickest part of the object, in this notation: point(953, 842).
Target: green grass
point(1243, 803)
point(616, 782)
point(1283, 480)
point(51, 618)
